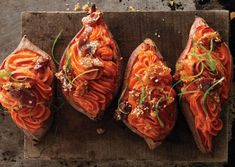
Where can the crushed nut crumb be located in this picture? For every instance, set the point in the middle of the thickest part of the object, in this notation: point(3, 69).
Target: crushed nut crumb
point(100, 131)
point(77, 7)
point(90, 62)
point(131, 9)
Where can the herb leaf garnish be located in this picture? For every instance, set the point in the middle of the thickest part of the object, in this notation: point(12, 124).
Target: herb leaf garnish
point(67, 66)
point(157, 112)
point(85, 72)
point(5, 74)
point(143, 93)
point(206, 94)
point(53, 47)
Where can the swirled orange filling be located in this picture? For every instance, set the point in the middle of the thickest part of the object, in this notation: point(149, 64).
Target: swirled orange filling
point(148, 100)
point(25, 81)
point(89, 66)
point(205, 76)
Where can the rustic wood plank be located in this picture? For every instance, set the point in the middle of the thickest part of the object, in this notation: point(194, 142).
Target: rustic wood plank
point(73, 136)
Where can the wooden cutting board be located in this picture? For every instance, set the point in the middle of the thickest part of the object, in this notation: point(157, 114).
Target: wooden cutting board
point(73, 136)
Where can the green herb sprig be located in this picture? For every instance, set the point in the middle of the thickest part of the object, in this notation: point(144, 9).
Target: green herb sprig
point(67, 66)
point(5, 74)
point(122, 94)
point(143, 92)
point(174, 85)
point(157, 112)
point(53, 47)
point(83, 73)
point(206, 94)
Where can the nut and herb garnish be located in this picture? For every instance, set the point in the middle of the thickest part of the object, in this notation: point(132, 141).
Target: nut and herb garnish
point(204, 74)
point(147, 103)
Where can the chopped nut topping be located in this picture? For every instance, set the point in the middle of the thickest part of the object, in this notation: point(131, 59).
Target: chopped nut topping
point(16, 86)
point(90, 19)
point(88, 62)
point(90, 48)
point(134, 93)
point(59, 75)
point(77, 6)
point(66, 85)
point(138, 110)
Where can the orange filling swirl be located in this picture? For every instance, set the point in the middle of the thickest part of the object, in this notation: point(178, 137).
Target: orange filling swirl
point(205, 75)
point(89, 67)
point(26, 88)
point(148, 101)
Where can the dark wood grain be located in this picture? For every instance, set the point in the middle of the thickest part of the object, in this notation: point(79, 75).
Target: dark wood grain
point(73, 136)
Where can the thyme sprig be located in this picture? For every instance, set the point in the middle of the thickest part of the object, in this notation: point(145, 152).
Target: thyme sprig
point(207, 93)
point(122, 94)
point(53, 47)
point(143, 92)
point(157, 112)
point(67, 66)
point(18, 80)
point(185, 92)
point(174, 85)
point(83, 73)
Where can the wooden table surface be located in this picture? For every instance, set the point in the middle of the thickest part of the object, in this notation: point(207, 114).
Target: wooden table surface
point(73, 136)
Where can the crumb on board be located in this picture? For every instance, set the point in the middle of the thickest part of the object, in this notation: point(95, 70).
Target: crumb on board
point(100, 131)
point(175, 5)
point(77, 7)
point(85, 7)
point(171, 3)
point(131, 9)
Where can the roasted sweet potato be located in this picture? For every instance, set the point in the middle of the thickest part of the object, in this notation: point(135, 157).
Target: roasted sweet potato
point(26, 78)
point(204, 75)
point(90, 68)
point(147, 105)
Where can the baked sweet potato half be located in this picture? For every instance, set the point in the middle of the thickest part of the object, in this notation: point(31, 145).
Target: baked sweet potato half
point(204, 75)
point(26, 78)
point(90, 68)
point(147, 104)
